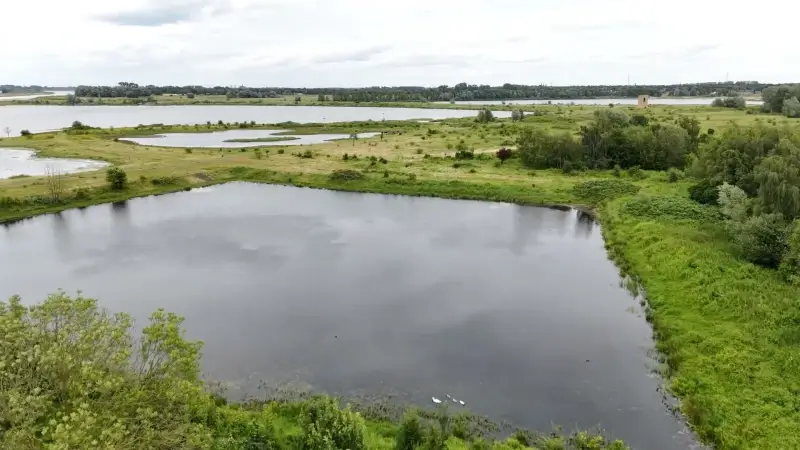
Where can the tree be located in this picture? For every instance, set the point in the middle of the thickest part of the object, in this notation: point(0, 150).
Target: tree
point(791, 107)
point(692, 127)
point(517, 115)
point(485, 116)
point(321, 98)
point(778, 178)
point(55, 183)
point(87, 383)
point(762, 240)
point(354, 137)
point(25, 133)
point(117, 178)
point(542, 150)
point(733, 202)
point(7, 131)
point(503, 154)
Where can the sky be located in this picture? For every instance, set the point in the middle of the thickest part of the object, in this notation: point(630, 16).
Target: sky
point(324, 43)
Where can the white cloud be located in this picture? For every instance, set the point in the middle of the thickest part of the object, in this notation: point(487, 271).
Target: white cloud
point(413, 42)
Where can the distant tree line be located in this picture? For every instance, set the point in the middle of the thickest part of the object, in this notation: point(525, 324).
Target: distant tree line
point(461, 91)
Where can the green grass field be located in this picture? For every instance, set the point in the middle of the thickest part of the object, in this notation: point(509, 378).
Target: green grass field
point(726, 329)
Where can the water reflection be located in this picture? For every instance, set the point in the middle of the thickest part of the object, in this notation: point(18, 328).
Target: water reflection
point(513, 309)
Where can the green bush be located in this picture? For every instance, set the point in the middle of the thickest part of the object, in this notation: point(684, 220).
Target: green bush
point(762, 240)
point(790, 264)
point(68, 379)
point(673, 175)
point(411, 433)
point(25, 133)
point(346, 175)
point(677, 208)
point(617, 172)
point(597, 191)
point(117, 178)
point(705, 192)
point(326, 427)
point(166, 181)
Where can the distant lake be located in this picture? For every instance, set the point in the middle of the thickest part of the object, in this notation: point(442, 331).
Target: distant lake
point(218, 139)
point(515, 310)
point(46, 117)
point(24, 162)
point(604, 101)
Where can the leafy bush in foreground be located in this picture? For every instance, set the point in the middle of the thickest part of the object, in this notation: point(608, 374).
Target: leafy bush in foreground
point(705, 192)
point(326, 427)
point(71, 376)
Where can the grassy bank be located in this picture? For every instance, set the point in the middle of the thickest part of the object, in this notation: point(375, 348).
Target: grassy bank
point(727, 330)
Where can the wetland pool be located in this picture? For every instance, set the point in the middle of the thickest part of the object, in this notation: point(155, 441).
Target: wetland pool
point(515, 310)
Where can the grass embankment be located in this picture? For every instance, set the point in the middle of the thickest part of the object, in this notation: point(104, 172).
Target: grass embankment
point(727, 330)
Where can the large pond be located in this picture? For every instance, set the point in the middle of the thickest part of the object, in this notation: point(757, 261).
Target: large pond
point(234, 138)
point(514, 310)
point(15, 162)
point(45, 118)
point(704, 101)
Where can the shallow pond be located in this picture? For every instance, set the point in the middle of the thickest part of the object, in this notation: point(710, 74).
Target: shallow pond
point(46, 118)
point(14, 162)
point(223, 139)
point(699, 101)
point(515, 310)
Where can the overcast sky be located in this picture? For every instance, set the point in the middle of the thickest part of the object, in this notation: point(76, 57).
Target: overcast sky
point(310, 43)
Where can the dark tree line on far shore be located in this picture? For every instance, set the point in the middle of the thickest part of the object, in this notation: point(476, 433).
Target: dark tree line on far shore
point(461, 91)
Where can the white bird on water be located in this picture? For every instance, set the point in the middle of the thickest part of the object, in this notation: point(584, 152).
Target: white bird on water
point(436, 400)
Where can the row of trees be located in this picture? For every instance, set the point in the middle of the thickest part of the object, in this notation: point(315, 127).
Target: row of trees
point(461, 91)
point(612, 139)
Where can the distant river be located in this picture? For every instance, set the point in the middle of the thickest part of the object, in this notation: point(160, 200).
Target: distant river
point(44, 118)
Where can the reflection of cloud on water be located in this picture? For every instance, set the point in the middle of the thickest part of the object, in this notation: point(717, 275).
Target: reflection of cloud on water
point(255, 243)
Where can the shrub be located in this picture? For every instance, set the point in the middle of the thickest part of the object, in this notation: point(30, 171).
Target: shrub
point(791, 107)
point(567, 168)
point(636, 173)
point(117, 178)
point(346, 175)
point(485, 116)
point(673, 175)
point(165, 181)
point(81, 194)
point(677, 208)
point(762, 240)
point(733, 202)
point(281, 151)
point(639, 120)
point(503, 154)
point(25, 133)
point(80, 388)
point(308, 154)
point(790, 264)
point(326, 427)
point(597, 191)
point(617, 172)
point(705, 192)
point(411, 433)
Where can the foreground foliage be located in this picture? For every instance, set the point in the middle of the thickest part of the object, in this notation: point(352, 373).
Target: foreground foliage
point(73, 377)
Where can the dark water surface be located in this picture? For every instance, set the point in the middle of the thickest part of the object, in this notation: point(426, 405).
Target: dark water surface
point(515, 310)
point(44, 118)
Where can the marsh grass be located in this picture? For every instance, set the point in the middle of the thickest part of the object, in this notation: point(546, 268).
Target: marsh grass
point(726, 330)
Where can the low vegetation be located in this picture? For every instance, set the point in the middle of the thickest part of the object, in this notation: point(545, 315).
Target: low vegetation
point(699, 207)
point(72, 376)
